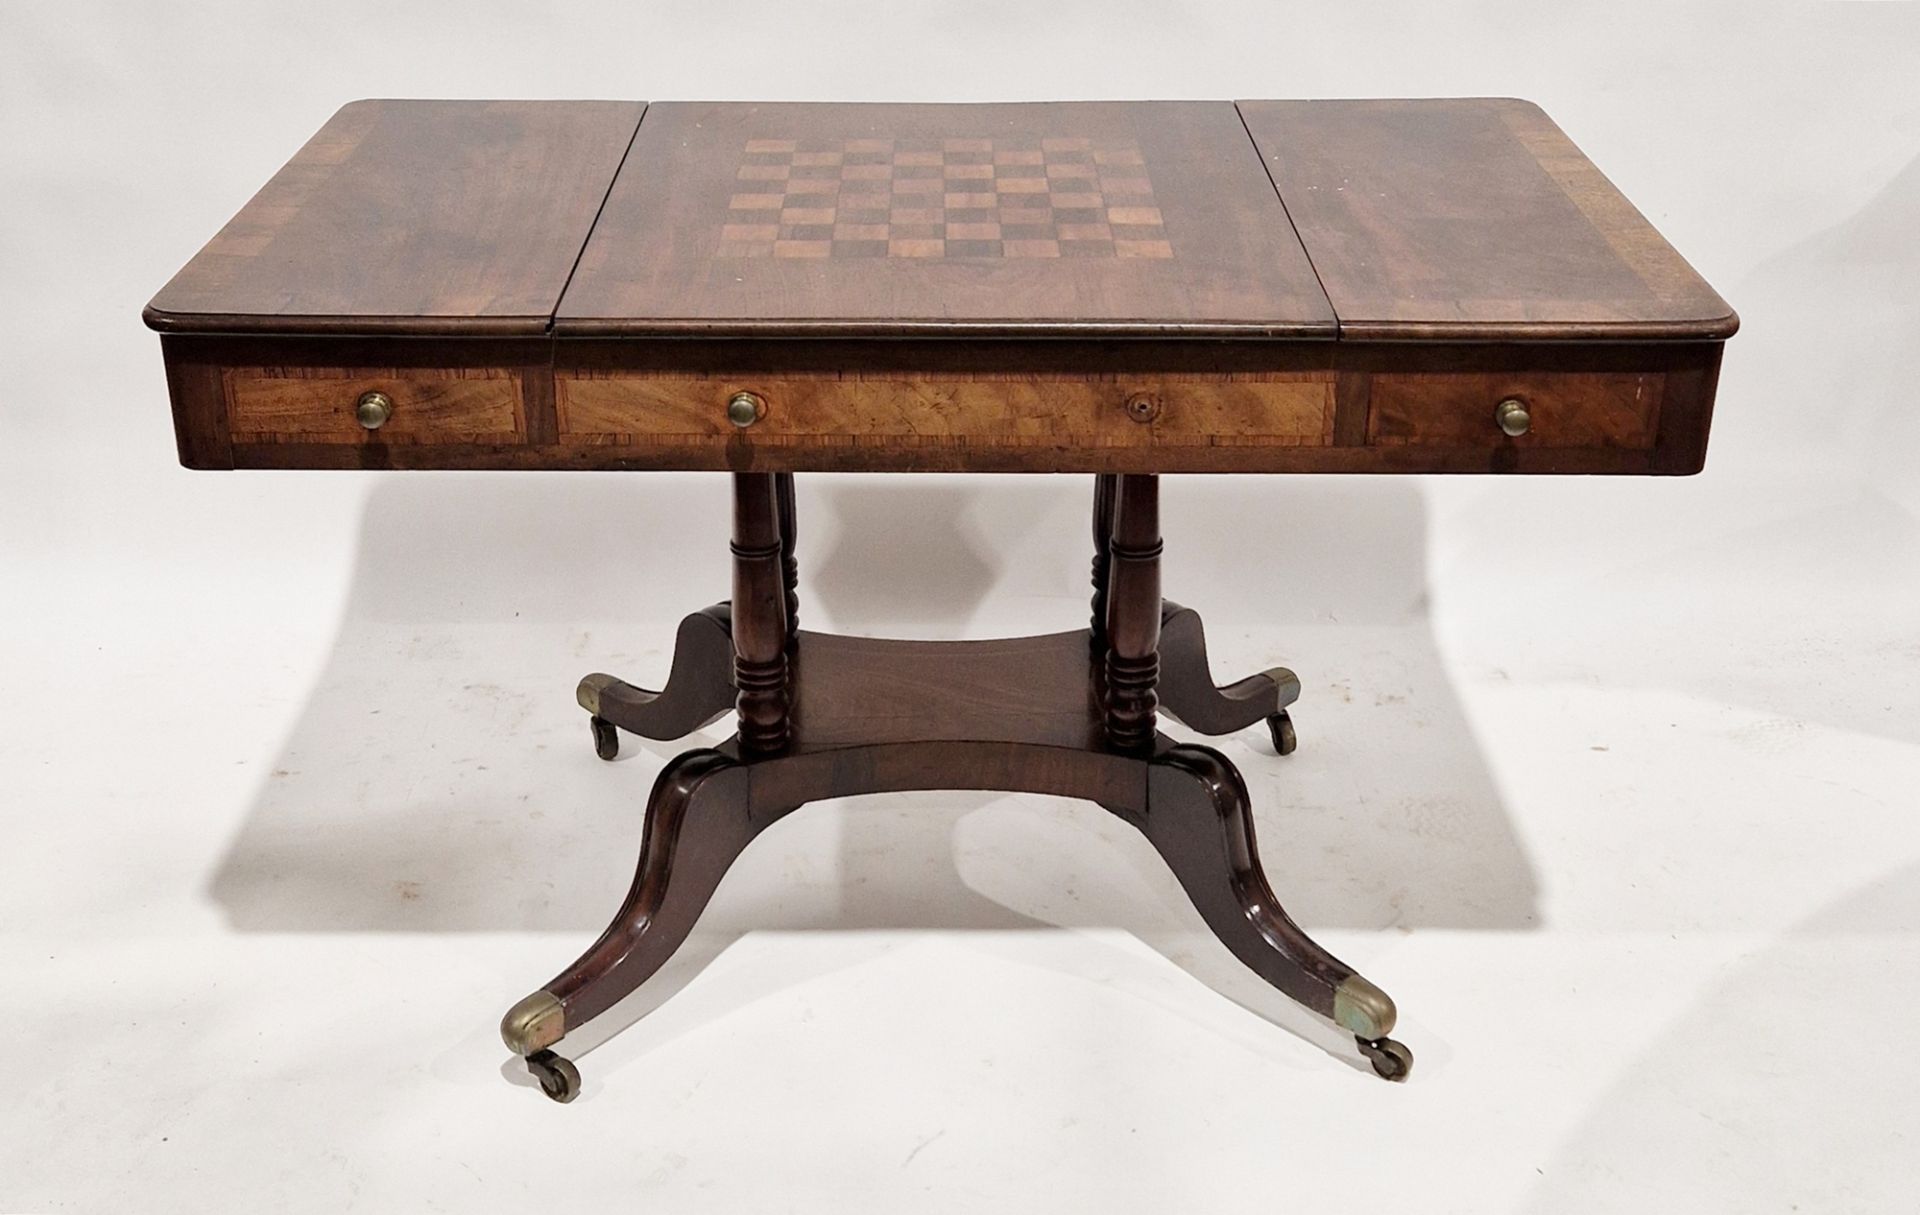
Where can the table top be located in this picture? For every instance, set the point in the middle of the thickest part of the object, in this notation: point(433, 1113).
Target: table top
point(1467, 219)
point(1472, 218)
point(1015, 219)
point(412, 216)
point(1269, 286)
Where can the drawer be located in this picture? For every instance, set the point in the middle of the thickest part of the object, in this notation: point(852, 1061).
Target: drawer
point(1588, 409)
point(1292, 408)
point(322, 405)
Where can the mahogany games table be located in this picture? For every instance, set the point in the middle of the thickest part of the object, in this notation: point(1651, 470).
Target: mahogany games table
point(1117, 289)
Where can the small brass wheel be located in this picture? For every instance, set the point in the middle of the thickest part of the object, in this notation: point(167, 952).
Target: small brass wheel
point(559, 1078)
point(606, 738)
point(1280, 725)
point(1392, 1060)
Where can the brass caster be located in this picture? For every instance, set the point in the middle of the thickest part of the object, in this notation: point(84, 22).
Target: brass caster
point(1280, 725)
point(606, 738)
point(559, 1078)
point(1392, 1060)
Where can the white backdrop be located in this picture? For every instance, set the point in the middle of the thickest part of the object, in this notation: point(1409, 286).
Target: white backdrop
point(1611, 783)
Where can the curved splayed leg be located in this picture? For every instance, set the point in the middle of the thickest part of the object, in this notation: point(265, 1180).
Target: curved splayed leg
point(1199, 819)
point(1188, 693)
point(697, 823)
point(699, 687)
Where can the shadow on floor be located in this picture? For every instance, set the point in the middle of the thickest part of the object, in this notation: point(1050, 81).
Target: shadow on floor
point(1803, 1017)
point(440, 779)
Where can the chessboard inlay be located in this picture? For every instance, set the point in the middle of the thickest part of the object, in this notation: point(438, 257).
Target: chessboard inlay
point(943, 198)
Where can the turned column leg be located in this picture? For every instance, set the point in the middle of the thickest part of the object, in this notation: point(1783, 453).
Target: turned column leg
point(1103, 494)
point(760, 633)
point(789, 564)
point(1133, 613)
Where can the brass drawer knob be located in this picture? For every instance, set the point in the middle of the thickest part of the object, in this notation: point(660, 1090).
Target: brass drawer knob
point(1143, 407)
point(373, 409)
point(1512, 416)
point(745, 408)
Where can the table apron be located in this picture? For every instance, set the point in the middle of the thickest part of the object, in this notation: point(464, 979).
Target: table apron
point(253, 402)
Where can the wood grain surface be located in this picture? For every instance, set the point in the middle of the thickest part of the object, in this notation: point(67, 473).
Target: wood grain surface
point(1568, 409)
point(316, 404)
point(1024, 219)
point(438, 217)
point(860, 405)
point(1472, 219)
point(854, 690)
point(1279, 408)
point(449, 254)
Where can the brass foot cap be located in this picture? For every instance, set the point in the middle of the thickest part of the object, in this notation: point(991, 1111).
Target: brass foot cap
point(588, 693)
point(1363, 1009)
point(534, 1024)
point(1286, 683)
